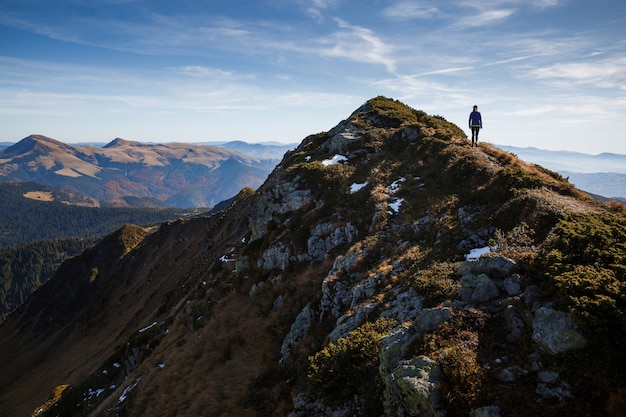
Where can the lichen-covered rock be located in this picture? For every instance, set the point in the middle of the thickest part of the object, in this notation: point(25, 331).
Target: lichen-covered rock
point(341, 136)
point(512, 373)
point(430, 318)
point(405, 307)
point(298, 330)
point(277, 197)
point(337, 293)
point(410, 385)
point(411, 390)
point(348, 322)
point(364, 290)
point(512, 285)
point(394, 346)
point(275, 257)
point(327, 236)
point(556, 331)
point(514, 323)
point(494, 266)
point(477, 288)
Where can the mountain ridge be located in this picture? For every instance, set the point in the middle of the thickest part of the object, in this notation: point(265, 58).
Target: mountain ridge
point(181, 175)
point(341, 286)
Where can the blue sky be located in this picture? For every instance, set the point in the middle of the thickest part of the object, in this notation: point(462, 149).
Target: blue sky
point(544, 73)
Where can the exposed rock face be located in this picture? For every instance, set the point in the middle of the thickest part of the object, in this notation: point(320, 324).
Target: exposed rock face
point(276, 198)
point(411, 385)
point(412, 389)
point(477, 288)
point(342, 136)
point(277, 257)
point(337, 293)
point(327, 236)
point(298, 330)
point(556, 331)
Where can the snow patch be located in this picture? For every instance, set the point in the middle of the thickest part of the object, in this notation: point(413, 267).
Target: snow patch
point(478, 252)
point(395, 206)
point(334, 160)
point(356, 187)
point(395, 186)
point(148, 327)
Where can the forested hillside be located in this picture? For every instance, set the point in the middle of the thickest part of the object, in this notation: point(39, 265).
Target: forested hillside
point(27, 266)
point(26, 220)
point(36, 234)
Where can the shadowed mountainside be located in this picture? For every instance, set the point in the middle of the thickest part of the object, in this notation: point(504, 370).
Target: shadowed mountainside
point(341, 287)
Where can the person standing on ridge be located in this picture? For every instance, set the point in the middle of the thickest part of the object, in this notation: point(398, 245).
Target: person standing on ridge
point(475, 124)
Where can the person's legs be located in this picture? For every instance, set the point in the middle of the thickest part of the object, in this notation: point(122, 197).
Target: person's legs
point(475, 136)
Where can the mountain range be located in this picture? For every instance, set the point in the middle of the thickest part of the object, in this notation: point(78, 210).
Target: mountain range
point(384, 268)
point(603, 174)
point(126, 173)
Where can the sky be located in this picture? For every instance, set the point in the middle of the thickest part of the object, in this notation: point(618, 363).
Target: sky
point(549, 74)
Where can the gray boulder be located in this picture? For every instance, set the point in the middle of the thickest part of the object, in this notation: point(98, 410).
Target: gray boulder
point(405, 307)
point(326, 236)
point(348, 322)
point(411, 390)
point(341, 136)
point(298, 330)
point(477, 288)
point(494, 266)
point(556, 331)
point(275, 257)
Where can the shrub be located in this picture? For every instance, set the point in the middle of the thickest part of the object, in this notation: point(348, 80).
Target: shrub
point(584, 263)
point(515, 244)
point(436, 284)
point(462, 379)
point(454, 345)
point(513, 177)
point(350, 366)
point(52, 403)
point(395, 112)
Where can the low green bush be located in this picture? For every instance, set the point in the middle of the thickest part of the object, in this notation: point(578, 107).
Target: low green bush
point(350, 366)
point(584, 263)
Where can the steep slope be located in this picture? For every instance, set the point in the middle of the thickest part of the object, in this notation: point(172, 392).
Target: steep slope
point(181, 175)
point(341, 287)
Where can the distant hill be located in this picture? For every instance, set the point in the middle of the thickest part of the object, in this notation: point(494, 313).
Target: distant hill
point(31, 212)
point(269, 150)
point(603, 174)
point(176, 174)
point(570, 161)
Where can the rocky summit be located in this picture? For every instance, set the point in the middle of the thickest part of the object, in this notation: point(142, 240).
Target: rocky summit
point(384, 268)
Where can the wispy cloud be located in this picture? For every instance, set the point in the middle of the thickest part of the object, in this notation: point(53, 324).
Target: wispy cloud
point(410, 10)
point(607, 73)
point(359, 44)
point(484, 18)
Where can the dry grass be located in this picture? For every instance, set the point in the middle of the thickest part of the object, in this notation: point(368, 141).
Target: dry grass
point(39, 195)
